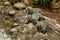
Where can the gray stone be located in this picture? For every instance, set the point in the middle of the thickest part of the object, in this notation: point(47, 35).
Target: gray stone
point(19, 5)
point(44, 26)
point(3, 35)
point(38, 10)
point(35, 16)
point(13, 30)
point(21, 16)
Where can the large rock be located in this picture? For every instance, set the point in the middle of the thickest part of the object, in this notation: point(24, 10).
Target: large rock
point(19, 5)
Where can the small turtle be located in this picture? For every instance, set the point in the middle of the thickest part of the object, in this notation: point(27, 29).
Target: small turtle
point(35, 16)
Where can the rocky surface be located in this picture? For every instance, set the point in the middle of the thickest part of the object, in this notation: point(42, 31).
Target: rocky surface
point(27, 24)
point(3, 35)
point(19, 5)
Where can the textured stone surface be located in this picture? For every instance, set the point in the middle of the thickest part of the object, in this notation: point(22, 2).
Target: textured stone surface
point(27, 24)
point(19, 5)
point(3, 35)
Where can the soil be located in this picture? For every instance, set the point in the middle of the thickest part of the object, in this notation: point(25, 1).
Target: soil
point(53, 14)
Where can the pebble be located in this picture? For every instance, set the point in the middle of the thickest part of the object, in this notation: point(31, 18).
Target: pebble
point(12, 12)
point(16, 24)
point(29, 7)
point(7, 3)
point(38, 35)
point(30, 25)
point(13, 30)
point(19, 5)
point(42, 39)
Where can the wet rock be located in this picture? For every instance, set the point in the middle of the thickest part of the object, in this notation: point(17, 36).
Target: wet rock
point(7, 3)
point(19, 5)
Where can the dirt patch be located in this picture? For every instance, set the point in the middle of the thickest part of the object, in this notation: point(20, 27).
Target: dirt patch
point(53, 14)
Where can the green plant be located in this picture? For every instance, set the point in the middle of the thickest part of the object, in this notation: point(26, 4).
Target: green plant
point(34, 1)
point(44, 3)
